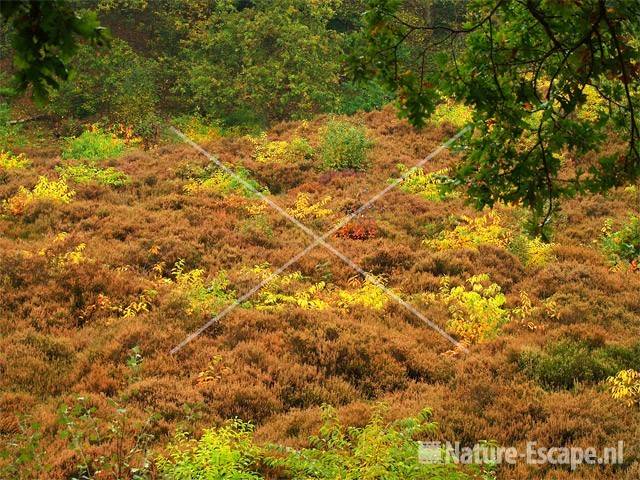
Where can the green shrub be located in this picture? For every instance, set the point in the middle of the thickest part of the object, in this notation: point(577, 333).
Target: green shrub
point(197, 129)
point(363, 96)
point(93, 145)
point(377, 450)
point(119, 85)
point(226, 452)
point(433, 186)
point(214, 180)
point(453, 113)
point(622, 246)
point(567, 362)
point(84, 173)
point(345, 146)
point(201, 295)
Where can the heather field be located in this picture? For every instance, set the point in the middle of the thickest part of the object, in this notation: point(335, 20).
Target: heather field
point(112, 252)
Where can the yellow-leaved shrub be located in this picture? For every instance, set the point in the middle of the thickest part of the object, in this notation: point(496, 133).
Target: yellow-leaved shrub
point(625, 386)
point(44, 191)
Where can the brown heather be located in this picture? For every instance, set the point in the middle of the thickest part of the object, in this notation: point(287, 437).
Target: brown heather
point(62, 337)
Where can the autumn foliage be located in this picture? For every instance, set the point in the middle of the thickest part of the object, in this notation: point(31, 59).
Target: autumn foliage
point(99, 282)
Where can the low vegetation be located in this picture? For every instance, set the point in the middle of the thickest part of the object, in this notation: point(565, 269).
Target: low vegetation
point(625, 386)
point(377, 450)
point(8, 161)
point(344, 146)
point(222, 183)
point(86, 173)
point(623, 245)
point(45, 191)
point(104, 273)
point(471, 169)
point(281, 151)
point(431, 186)
point(94, 144)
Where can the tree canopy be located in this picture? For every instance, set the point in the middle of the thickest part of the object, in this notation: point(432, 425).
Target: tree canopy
point(45, 36)
point(554, 87)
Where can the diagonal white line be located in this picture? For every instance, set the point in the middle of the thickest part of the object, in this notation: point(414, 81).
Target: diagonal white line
point(318, 240)
point(244, 297)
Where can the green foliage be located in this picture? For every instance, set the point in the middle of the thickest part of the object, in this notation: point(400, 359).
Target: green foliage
point(431, 186)
point(622, 245)
point(520, 68)
point(86, 173)
point(197, 128)
point(284, 290)
point(201, 295)
point(81, 429)
point(476, 313)
point(119, 85)
point(26, 452)
point(344, 146)
point(277, 56)
point(44, 37)
point(225, 452)
point(452, 113)
point(532, 252)
point(377, 450)
point(216, 181)
point(363, 96)
point(471, 233)
point(93, 144)
point(564, 363)
point(226, 63)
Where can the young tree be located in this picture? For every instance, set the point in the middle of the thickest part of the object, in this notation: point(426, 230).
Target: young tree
point(549, 83)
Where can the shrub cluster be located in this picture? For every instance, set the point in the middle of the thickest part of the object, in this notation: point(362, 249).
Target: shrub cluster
point(376, 450)
point(93, 144)
point(472, 232)
point(344, 146)
point(622, 245)
point(296, 150)
point(625, 386)
point(87, 173)
point(477, 313)
point(304, 209)
point(54, 191)
point(10, 161)
point(565, 363)
point(430, 186)
point(221, 183)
